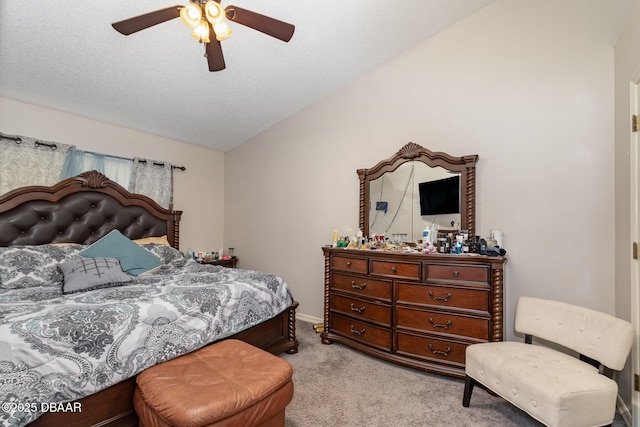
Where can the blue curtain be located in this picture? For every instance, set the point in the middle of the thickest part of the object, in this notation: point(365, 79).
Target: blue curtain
point(117, 169)
point(151, 178)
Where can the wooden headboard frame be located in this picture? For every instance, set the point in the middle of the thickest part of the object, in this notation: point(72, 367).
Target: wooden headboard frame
point(81, 210)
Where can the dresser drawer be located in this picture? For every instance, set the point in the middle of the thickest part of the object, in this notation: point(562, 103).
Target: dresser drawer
point(361, 331)
point(404, 270)
point(364, 286)
point(356, 265)
point(444, 323)
point(443, 296)
point(360, 309)
point(431, 348)
point(462, 273)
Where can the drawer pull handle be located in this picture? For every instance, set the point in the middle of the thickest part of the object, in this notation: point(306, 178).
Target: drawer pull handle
point(354, 286)
point(360, 332)
point(443, 353)
point(439, 325)
point(348, 263)
point(393, 269)
point(356, 309)
point(445, 298)
point(456, 273)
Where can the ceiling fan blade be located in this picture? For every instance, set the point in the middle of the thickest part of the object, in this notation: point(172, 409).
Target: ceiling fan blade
point(214, 55)
point(141, 22)
point(270, 26)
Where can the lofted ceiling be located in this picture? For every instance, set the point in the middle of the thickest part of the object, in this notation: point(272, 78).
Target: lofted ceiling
point(65, 55)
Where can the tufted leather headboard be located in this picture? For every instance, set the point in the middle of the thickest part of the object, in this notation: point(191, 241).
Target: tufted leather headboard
point(82, 209)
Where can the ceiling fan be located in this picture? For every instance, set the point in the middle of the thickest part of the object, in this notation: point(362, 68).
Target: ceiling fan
point(206, 18)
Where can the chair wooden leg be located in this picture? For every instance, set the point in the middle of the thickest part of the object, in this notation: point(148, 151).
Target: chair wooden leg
point(468, 389)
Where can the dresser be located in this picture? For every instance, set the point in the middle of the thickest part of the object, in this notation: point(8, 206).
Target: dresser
point(416, 310)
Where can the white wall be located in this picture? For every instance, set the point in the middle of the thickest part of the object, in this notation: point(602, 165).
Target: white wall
point(528, 86)
point(199, 191)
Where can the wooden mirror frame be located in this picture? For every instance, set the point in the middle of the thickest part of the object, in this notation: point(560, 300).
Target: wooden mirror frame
point(466, 165)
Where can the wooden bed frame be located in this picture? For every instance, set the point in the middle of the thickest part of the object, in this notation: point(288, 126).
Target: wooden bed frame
point(81, 210)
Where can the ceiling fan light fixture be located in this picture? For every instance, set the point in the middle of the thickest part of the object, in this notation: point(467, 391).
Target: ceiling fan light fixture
point(205, 17)
point(201, 32)
point(222, 30)
point(191, 15)
point(216, 15)
point(213, 11)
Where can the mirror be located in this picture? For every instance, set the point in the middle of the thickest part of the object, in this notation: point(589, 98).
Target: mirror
point(390, 193)
point(395, 207)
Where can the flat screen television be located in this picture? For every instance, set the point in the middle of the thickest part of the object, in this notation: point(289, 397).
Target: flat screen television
point(441, 196)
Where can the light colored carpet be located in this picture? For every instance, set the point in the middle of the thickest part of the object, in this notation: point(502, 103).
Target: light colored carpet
point(337, 386)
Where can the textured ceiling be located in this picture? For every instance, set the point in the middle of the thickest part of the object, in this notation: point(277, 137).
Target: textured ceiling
point(65, 55)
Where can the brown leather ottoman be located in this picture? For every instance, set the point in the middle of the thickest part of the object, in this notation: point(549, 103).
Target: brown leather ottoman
point(229, 383)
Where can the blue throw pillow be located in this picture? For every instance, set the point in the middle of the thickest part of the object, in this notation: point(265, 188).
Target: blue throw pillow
point(133, 259)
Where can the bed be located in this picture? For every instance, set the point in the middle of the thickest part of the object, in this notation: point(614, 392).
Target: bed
point(71, 358)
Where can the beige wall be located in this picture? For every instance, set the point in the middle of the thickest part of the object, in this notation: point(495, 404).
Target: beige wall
point(199, 191)
point(534, 101)
point(627, 70)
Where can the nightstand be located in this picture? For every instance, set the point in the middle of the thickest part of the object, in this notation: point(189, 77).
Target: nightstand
point(229, 263)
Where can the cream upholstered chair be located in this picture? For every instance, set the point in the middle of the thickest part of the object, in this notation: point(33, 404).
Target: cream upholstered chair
point(553, 386)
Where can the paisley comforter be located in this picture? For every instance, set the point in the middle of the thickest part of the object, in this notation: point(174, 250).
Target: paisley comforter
point(58, 348)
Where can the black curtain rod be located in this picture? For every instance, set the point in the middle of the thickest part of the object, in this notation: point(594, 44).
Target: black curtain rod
point(182, 168)
point(39, 143)
point(18, 140)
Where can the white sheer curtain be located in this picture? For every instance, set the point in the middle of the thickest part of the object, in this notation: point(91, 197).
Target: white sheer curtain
point(117, 169)
point(153, 179)
point(29, 161)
